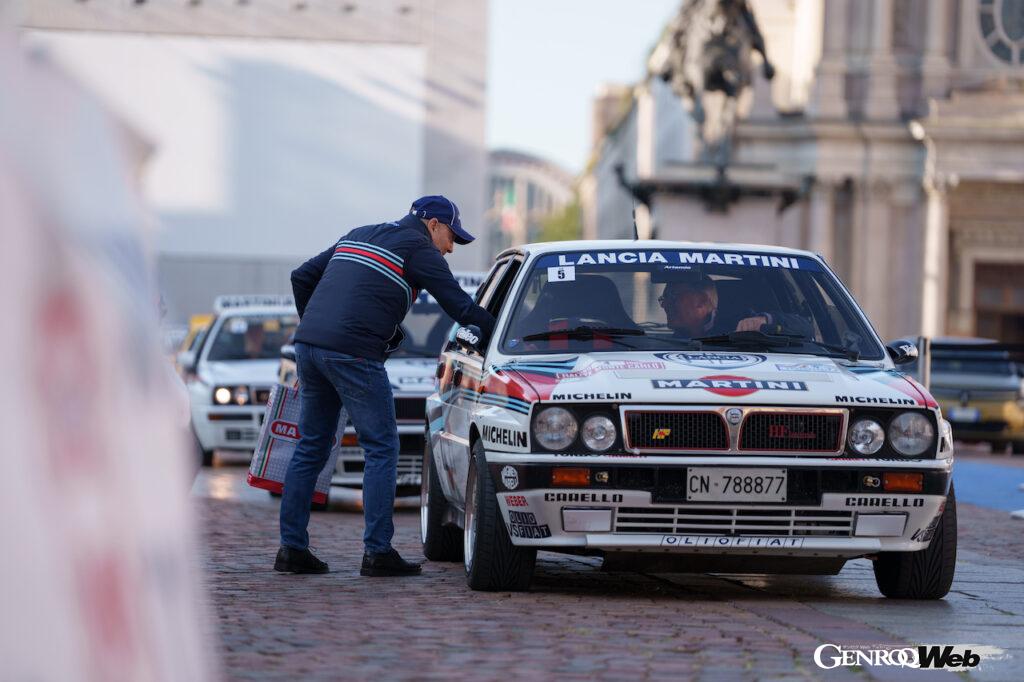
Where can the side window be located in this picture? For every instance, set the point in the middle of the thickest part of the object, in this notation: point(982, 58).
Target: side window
point(484, 290)
point(504, 285)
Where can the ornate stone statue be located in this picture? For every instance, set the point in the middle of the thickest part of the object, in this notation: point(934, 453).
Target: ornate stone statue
point(709, 66)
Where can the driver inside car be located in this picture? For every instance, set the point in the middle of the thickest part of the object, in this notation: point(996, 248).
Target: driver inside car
point(691, 307)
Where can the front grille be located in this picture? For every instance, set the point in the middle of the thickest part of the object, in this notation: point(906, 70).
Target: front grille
point(676, 431)
point(410, 409)
point(261, 396)
point(408, 465)
point(978, 427)
point(238, 435)
point(732, 521)
point(793, 431)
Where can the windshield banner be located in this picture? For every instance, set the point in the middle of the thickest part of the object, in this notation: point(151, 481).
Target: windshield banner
point(673, 259)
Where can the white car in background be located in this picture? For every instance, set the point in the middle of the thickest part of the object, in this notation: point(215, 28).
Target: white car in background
point(412, 370)
point(233, 369)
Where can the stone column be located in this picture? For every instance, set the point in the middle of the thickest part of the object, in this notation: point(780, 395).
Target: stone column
point(828, 99)
point(880, 99)
point(935, 282)
point(935, 62)
point(821, 232)
point(869, 278)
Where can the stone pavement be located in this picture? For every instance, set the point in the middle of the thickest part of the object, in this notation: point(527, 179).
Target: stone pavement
point(578, 623)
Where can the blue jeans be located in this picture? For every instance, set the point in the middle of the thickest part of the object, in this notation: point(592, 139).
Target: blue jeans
point(328, 380)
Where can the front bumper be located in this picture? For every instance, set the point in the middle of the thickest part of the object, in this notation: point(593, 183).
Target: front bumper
point(643, 508)
point(228, 427)
point(348, 471)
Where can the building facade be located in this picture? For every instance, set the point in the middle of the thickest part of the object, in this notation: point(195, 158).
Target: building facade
point(890, 141)
point(523, 190)
point(277, 125)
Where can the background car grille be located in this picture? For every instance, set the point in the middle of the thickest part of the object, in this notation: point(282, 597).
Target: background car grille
point(261, 395)
point(677, 431)
point(410, 409)
point(791, 431)
point(733, 521)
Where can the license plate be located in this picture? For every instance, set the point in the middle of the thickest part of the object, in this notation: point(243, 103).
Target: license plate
point(964, 414)
point(712, 484)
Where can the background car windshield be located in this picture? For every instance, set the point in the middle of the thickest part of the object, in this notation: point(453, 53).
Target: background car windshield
point(969, 365)
point(426, 328)
point(635, 291)
point(252, 337)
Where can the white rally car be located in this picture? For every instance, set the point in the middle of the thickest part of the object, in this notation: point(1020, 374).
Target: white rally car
point(411, 370)
point(778, 438)
point(233, 369)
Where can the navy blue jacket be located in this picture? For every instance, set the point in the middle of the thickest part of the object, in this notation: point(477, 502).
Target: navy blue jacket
point(352, 297)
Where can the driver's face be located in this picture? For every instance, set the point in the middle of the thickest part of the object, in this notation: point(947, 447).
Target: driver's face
point(690, 311)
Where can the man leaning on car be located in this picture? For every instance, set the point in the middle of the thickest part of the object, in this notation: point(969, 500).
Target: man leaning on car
point(351, 301)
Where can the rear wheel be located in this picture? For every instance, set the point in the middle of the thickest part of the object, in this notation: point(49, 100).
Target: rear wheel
point(492, 562)
point(927, 573)
point(441, 542)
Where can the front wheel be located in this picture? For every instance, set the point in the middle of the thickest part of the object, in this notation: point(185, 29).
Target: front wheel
point(492, 562)
point(927, 573)
point(441, 542)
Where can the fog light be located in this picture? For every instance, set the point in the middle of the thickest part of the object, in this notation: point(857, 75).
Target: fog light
point(893, 482)
point(570, 476)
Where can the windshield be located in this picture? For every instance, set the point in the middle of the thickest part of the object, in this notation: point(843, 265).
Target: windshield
point(968, 365)
point(426, 329)
point(680, 299)
point(252, 337)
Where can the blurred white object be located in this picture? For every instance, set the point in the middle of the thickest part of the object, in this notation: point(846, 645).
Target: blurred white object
point(99, 578)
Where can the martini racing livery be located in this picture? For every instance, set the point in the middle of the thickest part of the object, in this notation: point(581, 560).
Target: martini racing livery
point(688, 406)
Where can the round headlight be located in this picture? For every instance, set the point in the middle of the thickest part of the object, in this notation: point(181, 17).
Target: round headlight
point(555, 428)
point(911, 433)
point(241, 395)
point(866, 436)
point(222, 396)
point(598, 432)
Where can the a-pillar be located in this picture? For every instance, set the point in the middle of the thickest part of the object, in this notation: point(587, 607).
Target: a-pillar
point(828, 100)
point(880, 97)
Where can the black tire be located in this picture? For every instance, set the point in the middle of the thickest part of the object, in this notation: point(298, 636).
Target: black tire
point(205, 457)
point(998, 447)
point(925, 574)
point(492, 562)
point(1018, 447)
point(441, 541)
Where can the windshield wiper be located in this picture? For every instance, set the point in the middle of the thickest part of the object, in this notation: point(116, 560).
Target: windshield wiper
point(850, 354)
point(777, 340)
point(585, 332)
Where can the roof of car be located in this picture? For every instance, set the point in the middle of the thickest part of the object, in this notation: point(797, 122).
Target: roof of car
point(625, 244)
point(242, 311)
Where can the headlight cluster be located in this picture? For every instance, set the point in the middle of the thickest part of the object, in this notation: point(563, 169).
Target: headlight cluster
point(910, 434)
point(556, 428)
point(226, 395)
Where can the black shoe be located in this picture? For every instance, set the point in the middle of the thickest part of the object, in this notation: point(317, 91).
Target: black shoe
point(389, 563)
point(291, 560)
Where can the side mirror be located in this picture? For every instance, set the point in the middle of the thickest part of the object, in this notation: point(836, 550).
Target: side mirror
point(288, 352)
point(470, 339)
point(187, 361)
point(902, 351)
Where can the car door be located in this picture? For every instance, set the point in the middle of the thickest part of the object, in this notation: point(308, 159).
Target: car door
point(444, 427)
point(467, 376)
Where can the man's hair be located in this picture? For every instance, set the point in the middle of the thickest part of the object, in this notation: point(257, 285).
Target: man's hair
point(702, 283)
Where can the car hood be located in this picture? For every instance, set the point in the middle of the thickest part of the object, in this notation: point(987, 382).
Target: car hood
point(703, 377)
point(411, 376)
point(241, 372)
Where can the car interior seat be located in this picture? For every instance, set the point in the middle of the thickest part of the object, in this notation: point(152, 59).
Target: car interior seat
point(592, 297)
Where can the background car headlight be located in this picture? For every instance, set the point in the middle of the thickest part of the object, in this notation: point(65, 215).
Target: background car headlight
point(222, 395)
point(241, 395)
point(866, 436)
point(911, 433)
point(598, 432)
point(555, 428)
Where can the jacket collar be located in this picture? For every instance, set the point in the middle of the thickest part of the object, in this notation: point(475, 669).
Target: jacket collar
point(415, 223)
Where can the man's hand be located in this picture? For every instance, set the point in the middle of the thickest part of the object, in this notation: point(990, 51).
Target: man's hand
point(751, 324)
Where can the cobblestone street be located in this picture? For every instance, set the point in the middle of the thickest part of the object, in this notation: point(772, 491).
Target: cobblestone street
point(578, 622)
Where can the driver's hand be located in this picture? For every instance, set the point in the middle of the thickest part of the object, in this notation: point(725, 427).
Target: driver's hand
point(751, 324)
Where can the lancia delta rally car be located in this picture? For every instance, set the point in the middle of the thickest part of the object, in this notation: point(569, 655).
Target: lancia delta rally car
point(411, 371)
point(690, 406)
point(233, 369)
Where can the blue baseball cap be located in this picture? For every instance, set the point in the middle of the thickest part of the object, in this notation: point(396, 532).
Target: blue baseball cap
point(445, 210)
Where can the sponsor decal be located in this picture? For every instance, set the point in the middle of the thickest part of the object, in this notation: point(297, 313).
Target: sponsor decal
point(783, 431)
point(670, 258)
point(719, 541)
point(730, 386)
point(661, 434)
point(499, 435)
point(565, 273)
point(510, 477)
point(874, 400)
point(884, 501)
point(516, 501)
point(582, 497)
point(714, 360)
point(872, 482)
point(524, 525)
point(934, 656)
point(465, 334)
point(610, 366)
point(283, 429)
point(823, 367)
point(928, 532)
point(592, 396)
